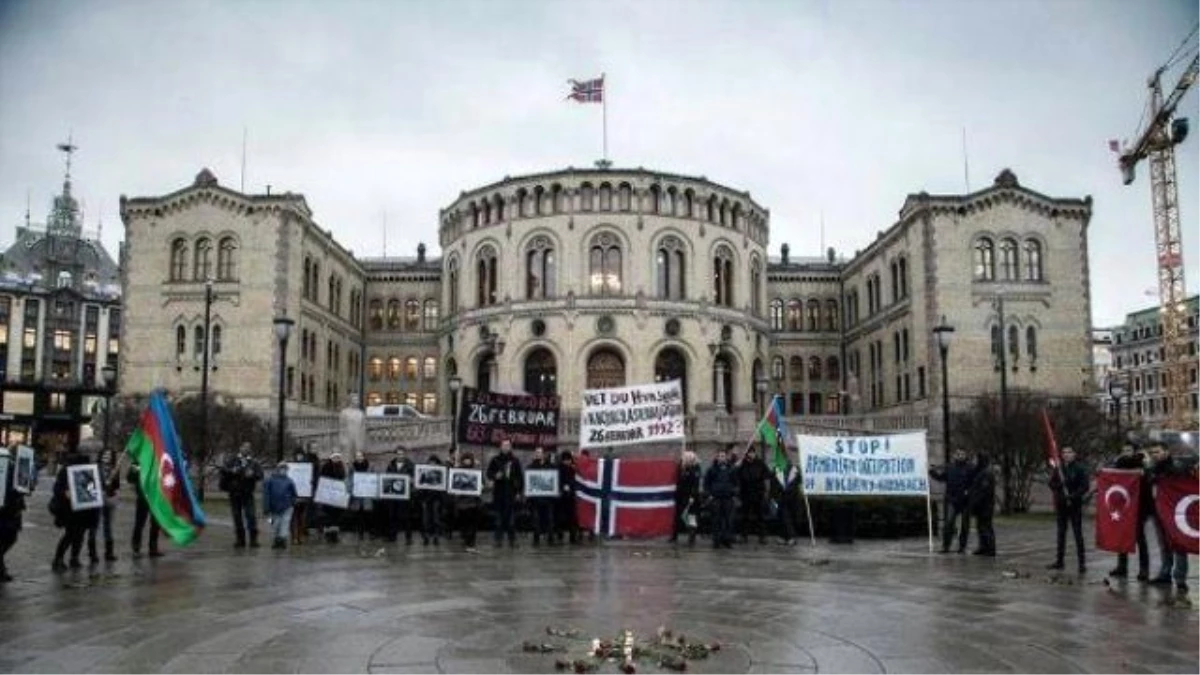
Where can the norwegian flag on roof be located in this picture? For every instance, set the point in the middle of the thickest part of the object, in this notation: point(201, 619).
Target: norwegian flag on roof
point(587, 91)
point(628, 497)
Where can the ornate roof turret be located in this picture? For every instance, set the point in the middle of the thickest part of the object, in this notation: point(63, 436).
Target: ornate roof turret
point(64, 212)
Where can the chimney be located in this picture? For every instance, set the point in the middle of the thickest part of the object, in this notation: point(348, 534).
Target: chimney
point(421, 253)
point(783, 252)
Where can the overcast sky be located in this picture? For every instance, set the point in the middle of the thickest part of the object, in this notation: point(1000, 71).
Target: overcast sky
point(834, 108)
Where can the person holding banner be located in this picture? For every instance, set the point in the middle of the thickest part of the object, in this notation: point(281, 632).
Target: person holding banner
point(360, 506)
point(785, 490)
point(399, 512)
point(10, 509)
point(720, 483)
point(687, 497)
point(542, 507)
point(1131, 459)
point(431, 509)
point(982, 503)
point(566, 500)
point(1069, 486)
point(300, 511)
point(1166, 468)
point(334, 469)
point(504, 473)
point(467, 508)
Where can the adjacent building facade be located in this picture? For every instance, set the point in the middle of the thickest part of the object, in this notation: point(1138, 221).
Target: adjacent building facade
point(1137, 364)
point(587, 278)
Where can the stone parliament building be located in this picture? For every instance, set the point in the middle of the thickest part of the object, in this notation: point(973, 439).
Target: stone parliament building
point(584, 278)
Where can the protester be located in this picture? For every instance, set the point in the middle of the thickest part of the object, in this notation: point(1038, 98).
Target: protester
point(74, 523)
point(982, 504)
point(542, 508)
point(239, 477)
point(957, 476)
point(279, 498)
point(142, 514)
point(504, 475)
point(10, 514)
point(468, 508)
point(753, 482)
point(1069, 484)
point(400, 510)
point(331, 516)
point(687, 498)
point(720, 483)
point(360, 506)
point(431, 510)
point(110, 482)
point(568, 520)
point(1174, 566)
point(298, 529)
point(785, 488)
point(1132, 459)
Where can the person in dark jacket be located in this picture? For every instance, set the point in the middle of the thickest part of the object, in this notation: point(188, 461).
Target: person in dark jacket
point(299, 525)
point(785, 489)
point(331, 516)
point(279, 498)
point(687, 498)
point(141, 515)
point(400, 510)
point(1069, 485)
point(721, 484)
point(10, 513)
point(957, 477)
point(568, 520)
point(505, 476)
point(542, 508)
point(468, 508)
point(361, 507)
point(431, 509)
point(1132, 459)
point(110, 482)
point(75, 524)
point(753, 481)
point(982, 504)
point(1175, 563)
point(239, 477)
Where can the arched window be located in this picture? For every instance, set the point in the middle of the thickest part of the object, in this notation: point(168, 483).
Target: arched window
point(429, 403)
point(315, 285)
point(180, 342)
point(203, 261)
point(604, 265)
point(410, 368)
point(689, 205)
point(996, 345)
point(777, 369)
point(586, 197)
point(541, 373)
point(306, 290)
point(723, 276)
point(833, 369)
point(895, 269)
point(431, 315)
point(198, 344)
point(795, 318)
point(485, 270)
point(483, 371)
point(813, 315)
point(669, 268)
point(1008, 259)
point(756, 287)
point(497, 209)
point(735, 217)
point(179, 252)
point(1031, 344)
point(540, 270)
point(723, 379)
point(903, 277)
point(558, 198)
point(777, 314)
point(985, 260)
point(375, 369)
point(670, 364)
point(523, 203)
point(605, 369)
point(539, 201)
point(654, 199)
point(375, 312)
point(831, 315)
point(394, 368)
point(605, 197)
point(393, 314)
point(814, 368)
point(1033, 260)
point(226, 259)
point(429, 368)
point(412, 315)
point(669, 202)
point(624, 197)
point(796, 368)
point(710, 209)
point(453, 282)
point(1014, 344)
point(215, 347)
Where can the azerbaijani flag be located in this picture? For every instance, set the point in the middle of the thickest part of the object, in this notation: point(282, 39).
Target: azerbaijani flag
point(774, 433)
point(155, 447)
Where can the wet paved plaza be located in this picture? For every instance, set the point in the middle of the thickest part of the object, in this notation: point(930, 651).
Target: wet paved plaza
point(874, 606)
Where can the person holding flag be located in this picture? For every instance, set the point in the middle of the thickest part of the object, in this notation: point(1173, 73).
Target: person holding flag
point(162, 475)
point(1069, 484)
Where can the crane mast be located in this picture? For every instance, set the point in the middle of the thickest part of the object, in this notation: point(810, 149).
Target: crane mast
point(1157, 144)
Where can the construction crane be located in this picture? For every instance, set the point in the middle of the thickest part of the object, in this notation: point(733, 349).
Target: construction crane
point(1157, 143)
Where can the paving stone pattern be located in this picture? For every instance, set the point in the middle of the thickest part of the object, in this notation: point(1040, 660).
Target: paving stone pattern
point(870, 607)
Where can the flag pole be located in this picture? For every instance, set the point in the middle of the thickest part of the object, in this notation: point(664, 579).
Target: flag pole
point(929, 514)
point(812, 535)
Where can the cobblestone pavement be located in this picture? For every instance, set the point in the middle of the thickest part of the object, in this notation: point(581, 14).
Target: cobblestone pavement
point(874, 606)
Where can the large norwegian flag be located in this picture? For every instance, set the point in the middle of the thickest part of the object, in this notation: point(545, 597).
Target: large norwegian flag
point(628, 497)
point(1116, 509)
point(587, 91)
point(1178, 503)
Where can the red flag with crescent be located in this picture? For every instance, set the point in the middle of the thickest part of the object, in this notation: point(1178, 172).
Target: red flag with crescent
point(1117, 493)
point(1178, 504)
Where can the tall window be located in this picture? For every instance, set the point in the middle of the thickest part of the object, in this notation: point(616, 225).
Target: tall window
point(813, 315)
point(393, 314)
point(756, 287)
point(540, 268)
point(541, 373)
point(985, 260)
point(180, 342)
point(485, 282)
point(453, 282)
point(833, 369)
point(410, 368)
point(1031, 344)
point(375, 310)
point(895, 268)
point(624, 197)
point(412, 315)
point(1008, 259)
point(429, 368)
point(431, 315)
point(203, 262)
point(814, 368)
point(669, 268)
point(215, 347)
point(604, 265)
point(796, 368)
point(198, 352)
point(587, 195)
point(226, 263)
point(179, 252)
point(831, 315)
point(605, 197)
point(777, 314)
point(375, 369)
point(605, 369)
point(1033, 260)
point(723, 276)
point(795, 319)
point(1014, 344)
point(903, 263)
point(777, 372)
point(394, 368)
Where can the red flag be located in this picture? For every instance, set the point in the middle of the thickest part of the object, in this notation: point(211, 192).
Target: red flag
point(1051, 443)
point(1178, 503)
point(1116, 509)
point(630, 497)
point(1114, 145)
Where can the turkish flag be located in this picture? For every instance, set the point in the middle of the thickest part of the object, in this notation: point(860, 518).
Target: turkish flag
point(1116, 509)
point(628, 497)
point(1178, 501)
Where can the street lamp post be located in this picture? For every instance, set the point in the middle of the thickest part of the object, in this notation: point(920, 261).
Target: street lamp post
point(109, 373)
point(1117, 391)
point(944, 333)
point(283, 330)
point(204, 359)
point(1005, 455)
point(455, 383)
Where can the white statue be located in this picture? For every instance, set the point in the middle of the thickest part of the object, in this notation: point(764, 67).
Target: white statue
point(352, 428)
